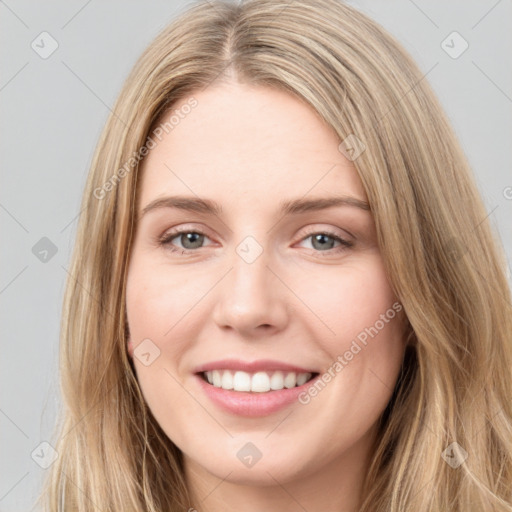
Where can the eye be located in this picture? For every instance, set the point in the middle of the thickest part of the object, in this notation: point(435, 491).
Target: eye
point(190, 239)
point(321, 243)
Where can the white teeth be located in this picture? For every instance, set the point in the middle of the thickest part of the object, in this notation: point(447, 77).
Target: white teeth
point(290, 380)
point(241, 382)
point(227, 380)
point(259, 382)
point(216, 378)
point(302, 378)
point(277, 381)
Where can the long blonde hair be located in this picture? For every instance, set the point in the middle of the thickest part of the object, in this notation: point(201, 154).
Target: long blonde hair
point(443, 260)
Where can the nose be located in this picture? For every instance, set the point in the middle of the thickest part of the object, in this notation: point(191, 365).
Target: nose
point(252, 299)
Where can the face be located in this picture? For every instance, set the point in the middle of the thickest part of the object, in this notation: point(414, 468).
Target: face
point(299, 289)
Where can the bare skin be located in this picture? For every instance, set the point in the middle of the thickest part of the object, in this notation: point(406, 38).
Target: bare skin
point(303, 300)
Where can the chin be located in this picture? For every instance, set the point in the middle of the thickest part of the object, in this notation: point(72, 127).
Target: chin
point(264, 472)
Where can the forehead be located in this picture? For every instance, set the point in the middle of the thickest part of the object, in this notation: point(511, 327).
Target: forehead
point(246, 142)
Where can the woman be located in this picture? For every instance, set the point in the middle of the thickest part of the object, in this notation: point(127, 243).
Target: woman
point(216, 352)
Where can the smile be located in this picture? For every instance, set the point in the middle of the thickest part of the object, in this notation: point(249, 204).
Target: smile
point(258, 382)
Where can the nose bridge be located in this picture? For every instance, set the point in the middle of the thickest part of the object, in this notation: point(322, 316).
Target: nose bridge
point(250, 295)
point(250, 274)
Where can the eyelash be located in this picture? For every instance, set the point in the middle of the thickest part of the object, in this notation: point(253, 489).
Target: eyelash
point(165, 241)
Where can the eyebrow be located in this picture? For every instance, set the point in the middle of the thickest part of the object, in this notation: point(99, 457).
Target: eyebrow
point(290, 207)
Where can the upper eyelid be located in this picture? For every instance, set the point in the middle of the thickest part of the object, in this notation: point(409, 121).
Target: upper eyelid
point(172, 232)
point(330, 231)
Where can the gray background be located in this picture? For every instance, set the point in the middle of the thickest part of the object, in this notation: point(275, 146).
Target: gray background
point(52, 113)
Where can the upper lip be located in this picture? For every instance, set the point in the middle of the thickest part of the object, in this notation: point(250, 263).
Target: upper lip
point(251, 366)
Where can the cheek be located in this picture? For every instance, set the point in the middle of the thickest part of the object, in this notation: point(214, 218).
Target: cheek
point(158, 296)
point(145, 304)
point(157, 303)
point(360, 335)
point(360, 331)
point(163, 303)
point(348, 299)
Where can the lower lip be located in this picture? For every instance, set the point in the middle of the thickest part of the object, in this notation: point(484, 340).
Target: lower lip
point(252, 404)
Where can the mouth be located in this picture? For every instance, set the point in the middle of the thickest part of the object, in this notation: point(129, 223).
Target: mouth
point(256, 382)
